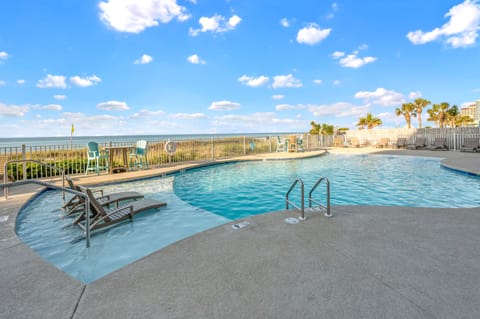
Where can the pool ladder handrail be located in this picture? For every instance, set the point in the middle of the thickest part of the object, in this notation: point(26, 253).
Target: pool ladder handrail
point(311, 200)
point(302, 194)
point(24, 161)
point(61, 188)
point(328, 212)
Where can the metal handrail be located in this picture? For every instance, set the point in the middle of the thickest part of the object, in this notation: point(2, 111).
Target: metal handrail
point(5, 176)
point(310, 199)
point(302, 193)
point(64, 189)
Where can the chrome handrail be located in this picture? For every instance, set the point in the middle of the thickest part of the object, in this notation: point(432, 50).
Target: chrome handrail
point(302, 193)
point(64, 189)
point(5, 176)
point(310, 199)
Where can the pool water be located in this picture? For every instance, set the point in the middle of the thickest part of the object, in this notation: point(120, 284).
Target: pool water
point(203, 198)
point(243, 189)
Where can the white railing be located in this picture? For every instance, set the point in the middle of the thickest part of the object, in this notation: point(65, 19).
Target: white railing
point(454, 136)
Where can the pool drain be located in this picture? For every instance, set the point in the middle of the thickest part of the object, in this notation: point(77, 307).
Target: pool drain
point(240, 225)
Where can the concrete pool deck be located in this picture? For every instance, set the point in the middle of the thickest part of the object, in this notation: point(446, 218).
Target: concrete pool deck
point(365, 262)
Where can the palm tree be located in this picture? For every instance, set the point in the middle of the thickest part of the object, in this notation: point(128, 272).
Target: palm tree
point(442, 113)
point(463, 120)
point(407, 110)
point(451, 115)
point(315, 128)
point(433, 114)
point(369, 121)
point(419, 105)
point(323, 129)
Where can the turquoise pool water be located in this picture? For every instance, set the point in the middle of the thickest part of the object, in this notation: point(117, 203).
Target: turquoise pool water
point(202, 198)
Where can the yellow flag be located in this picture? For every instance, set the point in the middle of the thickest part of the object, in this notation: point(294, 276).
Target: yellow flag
point(73, 129)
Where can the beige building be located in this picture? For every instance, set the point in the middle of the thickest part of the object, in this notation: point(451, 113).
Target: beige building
point(473, 110)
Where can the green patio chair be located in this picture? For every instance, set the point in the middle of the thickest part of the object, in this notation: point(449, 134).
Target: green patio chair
point(282, 144)
point(300, 144)
point(95, 160)
point(138, 157)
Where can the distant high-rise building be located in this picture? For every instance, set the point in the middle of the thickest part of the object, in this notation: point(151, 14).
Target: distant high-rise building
point(472, 110)
point(477, 113)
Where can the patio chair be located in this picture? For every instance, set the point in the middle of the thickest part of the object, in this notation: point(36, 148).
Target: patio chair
point(383, 143)
point(420, 144)
point(339, 141)
point(470, 144)
point(95, 159)
point(300, 144)
point(139, 156)
point(77, 203)
point(354, 142)
point(281, 144)
point(106, 217)
point(439, 144)
point(401, 142)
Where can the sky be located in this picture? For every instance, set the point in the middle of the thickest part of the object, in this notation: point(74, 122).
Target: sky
point(138, 67)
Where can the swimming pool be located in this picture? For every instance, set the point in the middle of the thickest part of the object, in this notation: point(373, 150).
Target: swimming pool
point(203, 198)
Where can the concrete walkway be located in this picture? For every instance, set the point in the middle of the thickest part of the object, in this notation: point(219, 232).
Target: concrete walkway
point(365, 262)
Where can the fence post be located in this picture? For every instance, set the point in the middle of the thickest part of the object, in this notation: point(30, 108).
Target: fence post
point(244, 146)
point(24, 157)
point(213, 149)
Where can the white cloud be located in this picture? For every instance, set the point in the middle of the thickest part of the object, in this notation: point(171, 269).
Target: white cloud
point(363, 46)
point(278, 96)
point(340, 109)
point(381, 96)
point(285, 23)
point(21, 82)
point(251, 122)
point(59, 97)
point(352, 60)
point(216, 24)
point(224, 106)
point(338, 54)
point(414, 95)
point(337, 82)
point(13, 110)
point(195, 59)
point(188, 116)
point(113, 106)
point(312, 34)
point(49, 107)
point(135, 16)
point(318, 82)
point(253, 82)
point(461, 30)
point(3, 83)
point(3, 55)
point(288, 107)
point(144, 113)
point(144, 59)
point(331, 15)
point(286, 81)
point(86, 81)
point(53, 81)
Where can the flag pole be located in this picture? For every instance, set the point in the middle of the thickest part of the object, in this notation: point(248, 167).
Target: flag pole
point(71, 135)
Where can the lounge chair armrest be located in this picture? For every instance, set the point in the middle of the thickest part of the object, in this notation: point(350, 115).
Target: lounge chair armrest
point(111, 212)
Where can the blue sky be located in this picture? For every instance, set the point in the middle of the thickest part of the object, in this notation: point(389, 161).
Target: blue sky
point(122, 67)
